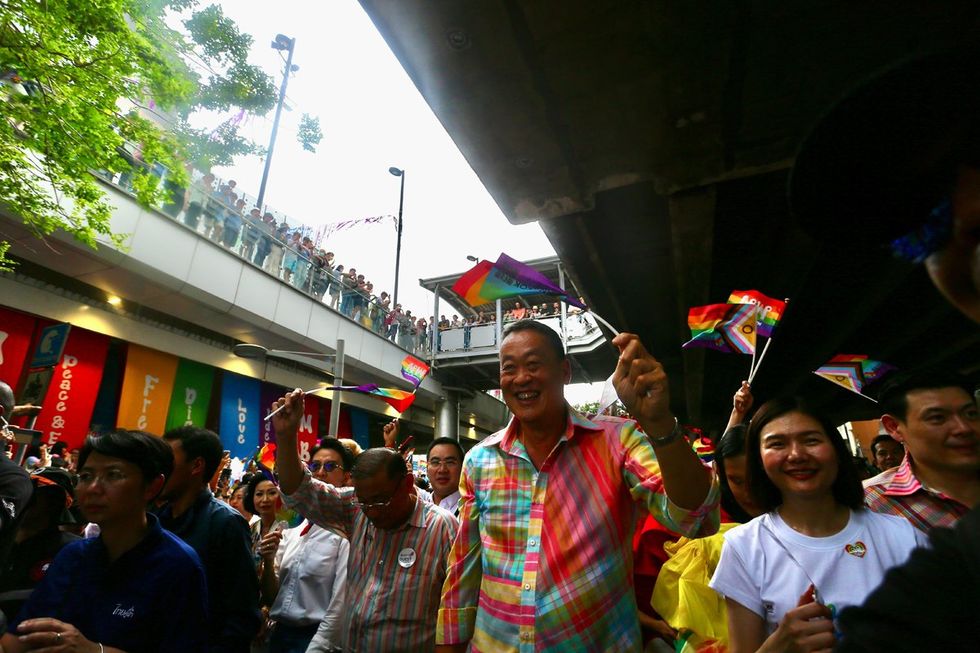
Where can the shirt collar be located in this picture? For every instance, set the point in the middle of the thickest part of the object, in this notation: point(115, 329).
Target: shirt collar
point(575, 422)
point(418, 515)
point(904, 482)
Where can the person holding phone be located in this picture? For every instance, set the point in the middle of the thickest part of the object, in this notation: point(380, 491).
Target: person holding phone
point(786, 573)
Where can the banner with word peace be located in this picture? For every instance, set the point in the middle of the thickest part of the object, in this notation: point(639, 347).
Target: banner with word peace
point(147, 386)
point(191, 396)
point(74, 387)
point(241, 414)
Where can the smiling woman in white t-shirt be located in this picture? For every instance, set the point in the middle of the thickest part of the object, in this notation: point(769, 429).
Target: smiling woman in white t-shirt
point(816, 550)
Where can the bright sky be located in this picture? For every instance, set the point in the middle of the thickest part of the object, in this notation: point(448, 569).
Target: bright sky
point(372, 118)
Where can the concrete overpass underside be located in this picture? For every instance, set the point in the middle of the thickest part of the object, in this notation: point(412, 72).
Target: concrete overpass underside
point(653, 140)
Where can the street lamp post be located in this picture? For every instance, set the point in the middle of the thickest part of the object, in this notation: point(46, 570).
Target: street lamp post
point(332, 365)
point(282, 42)
point(398, 249)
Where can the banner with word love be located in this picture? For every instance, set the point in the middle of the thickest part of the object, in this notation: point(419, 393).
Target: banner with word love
point(16, 331)
point(241, 414)
point(74, 387)
point(148, 383)
point(191, 396)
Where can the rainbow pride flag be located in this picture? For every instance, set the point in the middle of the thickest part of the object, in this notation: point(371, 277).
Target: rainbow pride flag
point(770, 310)
point(414, 370)
point(400, 400)
point(853, 371)
point(487, 282)
point(267, 455)
point(730, 328)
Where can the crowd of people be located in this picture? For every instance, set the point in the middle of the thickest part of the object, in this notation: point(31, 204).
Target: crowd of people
point(219, 211)
point(560, 532)
point(143, 543)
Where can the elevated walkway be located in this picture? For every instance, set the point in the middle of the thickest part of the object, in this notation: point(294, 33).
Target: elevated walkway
point(182, 292)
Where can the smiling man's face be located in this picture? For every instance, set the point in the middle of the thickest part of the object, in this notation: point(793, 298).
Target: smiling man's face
point(532, 377)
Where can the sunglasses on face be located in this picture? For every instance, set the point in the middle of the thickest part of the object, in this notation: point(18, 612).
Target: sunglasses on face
point(328, 466)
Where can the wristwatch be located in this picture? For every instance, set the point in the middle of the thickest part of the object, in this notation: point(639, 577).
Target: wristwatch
point(664, 440)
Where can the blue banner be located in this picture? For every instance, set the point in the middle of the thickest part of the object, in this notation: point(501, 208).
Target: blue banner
point(241, 414)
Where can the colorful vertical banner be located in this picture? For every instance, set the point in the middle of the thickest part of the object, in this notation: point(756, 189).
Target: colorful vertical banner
point(241, 414)
point(74, 386)
point(191, 396)
point(308, 426)
point(16, 331)
point(269, 393)
point(148, 384)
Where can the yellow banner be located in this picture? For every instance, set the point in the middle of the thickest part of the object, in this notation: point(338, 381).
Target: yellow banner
point(147, 385)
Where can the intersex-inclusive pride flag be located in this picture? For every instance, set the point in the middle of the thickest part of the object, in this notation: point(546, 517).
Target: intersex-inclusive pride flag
point(770, 310)
point(414, 370)
point(853, 371)
point(726, 327)
point(487, 282)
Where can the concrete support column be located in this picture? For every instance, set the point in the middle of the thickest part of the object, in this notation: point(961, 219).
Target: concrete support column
point(447, 416)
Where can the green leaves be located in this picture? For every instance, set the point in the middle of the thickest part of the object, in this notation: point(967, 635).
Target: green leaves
point(309, 134)
point(108, 86)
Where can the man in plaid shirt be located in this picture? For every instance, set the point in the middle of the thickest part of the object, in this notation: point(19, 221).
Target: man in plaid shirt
point(935, 416)
point(543, 558)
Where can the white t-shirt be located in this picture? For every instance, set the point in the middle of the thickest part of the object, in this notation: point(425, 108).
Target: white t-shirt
point(762, 562)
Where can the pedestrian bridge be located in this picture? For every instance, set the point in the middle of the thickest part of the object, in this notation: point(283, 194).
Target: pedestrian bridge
point(170, 288)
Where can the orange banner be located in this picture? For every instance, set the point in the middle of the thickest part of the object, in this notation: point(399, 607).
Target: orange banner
point(147, 385)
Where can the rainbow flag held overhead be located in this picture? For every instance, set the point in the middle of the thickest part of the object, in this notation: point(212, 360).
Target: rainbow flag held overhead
point(853, 371)
point(770, 310)
point(730, 328)
point(487, 282)
point(414, 370)
point(400, 400)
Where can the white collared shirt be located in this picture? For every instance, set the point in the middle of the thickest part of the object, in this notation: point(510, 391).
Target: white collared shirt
point(312, 570)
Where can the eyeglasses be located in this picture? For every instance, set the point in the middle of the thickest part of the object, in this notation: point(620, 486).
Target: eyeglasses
point(374, 506)
point(436, 463)
point(328, 466)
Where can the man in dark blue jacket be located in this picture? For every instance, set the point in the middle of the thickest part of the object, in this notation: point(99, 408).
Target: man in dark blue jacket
point(218, 533)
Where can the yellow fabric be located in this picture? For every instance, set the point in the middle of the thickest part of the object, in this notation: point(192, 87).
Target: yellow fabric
point(682, 596)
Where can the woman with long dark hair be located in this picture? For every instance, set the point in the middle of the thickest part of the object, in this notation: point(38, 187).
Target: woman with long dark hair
point(816, 549)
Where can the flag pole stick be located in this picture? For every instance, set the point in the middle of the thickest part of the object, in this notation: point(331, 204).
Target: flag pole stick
point(857, 392)
point(755, 370)
point(604, 322)
point(755, 350)
point(305, 392)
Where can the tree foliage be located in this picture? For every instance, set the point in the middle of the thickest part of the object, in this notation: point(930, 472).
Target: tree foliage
point(309, 134)
point(93, 85)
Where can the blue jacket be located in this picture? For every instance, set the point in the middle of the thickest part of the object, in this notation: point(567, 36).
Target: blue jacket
point(220, 536)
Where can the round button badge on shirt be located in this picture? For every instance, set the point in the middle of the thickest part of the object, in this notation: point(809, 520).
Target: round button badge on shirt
point(406, 558)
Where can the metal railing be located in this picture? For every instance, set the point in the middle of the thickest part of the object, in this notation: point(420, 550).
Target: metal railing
point(207, 213)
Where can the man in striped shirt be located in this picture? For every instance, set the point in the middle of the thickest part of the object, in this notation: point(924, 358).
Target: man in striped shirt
point(543, 558)
point(935, 416)
point(398, 544)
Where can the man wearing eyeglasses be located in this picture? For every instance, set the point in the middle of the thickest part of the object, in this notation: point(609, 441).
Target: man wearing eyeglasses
point(444, 461)
point(398, 544)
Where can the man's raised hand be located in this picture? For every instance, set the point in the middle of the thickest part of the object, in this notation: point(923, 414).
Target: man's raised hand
point(286, 421)
point(641, 384)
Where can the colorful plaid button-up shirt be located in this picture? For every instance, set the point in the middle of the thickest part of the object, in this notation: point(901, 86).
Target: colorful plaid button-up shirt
point(898, 492)
point(543, 559)
point(393, 577)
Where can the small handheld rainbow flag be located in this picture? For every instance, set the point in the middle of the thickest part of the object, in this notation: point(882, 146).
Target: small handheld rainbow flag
point(853, 371)
point(729, 328)
point(770, 310)
point(400, 400)
point(414, 370)
point(487, 282)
